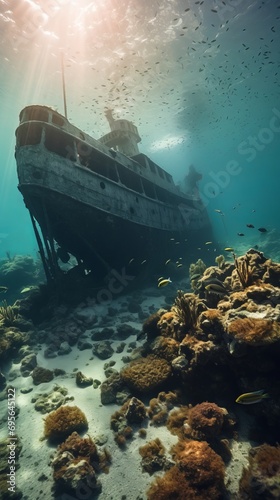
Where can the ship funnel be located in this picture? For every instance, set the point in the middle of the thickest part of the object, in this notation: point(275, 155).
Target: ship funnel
point(123, 137)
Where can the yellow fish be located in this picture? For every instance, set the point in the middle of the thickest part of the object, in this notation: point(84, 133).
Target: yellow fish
point(228, 249)
point(164, 282)
point(249, 398)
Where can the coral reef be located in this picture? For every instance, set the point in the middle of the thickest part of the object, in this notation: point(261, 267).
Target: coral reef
point(145, 375)
point(187, 307)
point(164, 347)
point(133, 411)
point(153, 456)
point(254, 331)
point(11, 339)
point(150, 325)
point(261, 479)
point(19, 271)
point(160, 407)
point(206, 421)
point(8, 314)
point(62, 422)
point(76, 465)
point(198, 474)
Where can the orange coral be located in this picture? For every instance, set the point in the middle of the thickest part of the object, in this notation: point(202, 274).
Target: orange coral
point(63, 421)
point(146, 374)
point(255, 331)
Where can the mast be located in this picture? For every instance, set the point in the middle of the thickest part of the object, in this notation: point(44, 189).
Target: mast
point(63, 84)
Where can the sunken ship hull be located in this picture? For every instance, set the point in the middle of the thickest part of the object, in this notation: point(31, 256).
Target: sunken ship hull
point(108, 210)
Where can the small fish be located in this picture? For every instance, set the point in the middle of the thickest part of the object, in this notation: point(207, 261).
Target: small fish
point(29, 289)
point(164, 282)
point(208, 242)
point(3, 289)
point(179, 265)
point(240, 234)
point(250, 225)
point(229, 249)
point(262, 229)
point(216, 289)
point(143, 262)
point(167, 262)
point(249, 398)
point(131, 260)
point(218, 211)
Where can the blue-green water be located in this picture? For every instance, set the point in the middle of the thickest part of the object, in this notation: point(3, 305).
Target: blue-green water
point(200, 80)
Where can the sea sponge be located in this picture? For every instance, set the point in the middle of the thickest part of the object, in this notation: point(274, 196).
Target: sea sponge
point(202, 467)
point(164, 347)
point(261, 478)
point(172, 485)
point(206, 421)
point(197, 475)
point(254, 331)
point(146, 374)
point(76, 464)
point(62, 422)
point(80, 447)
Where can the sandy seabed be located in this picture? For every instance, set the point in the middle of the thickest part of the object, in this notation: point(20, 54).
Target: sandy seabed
point(125, 479)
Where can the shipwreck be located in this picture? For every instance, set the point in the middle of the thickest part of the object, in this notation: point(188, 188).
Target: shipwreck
point(101, 201)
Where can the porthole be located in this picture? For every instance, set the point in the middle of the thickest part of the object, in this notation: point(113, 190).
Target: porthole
point(102, 185)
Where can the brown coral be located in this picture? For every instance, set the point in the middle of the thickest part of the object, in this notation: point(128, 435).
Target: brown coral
point(153, 456)
point(76, 464)
point(206, 421)
point(255, 331)
point(166, 348)
point(197, 475)
point(187, 307)
point(202, 467)
point(146, 374)
point(62, 422)
point(261, 478)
